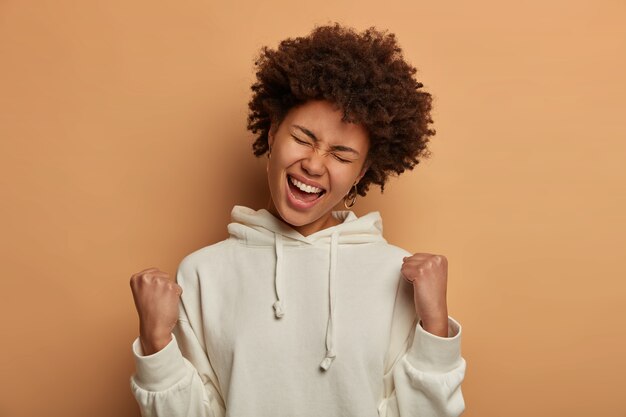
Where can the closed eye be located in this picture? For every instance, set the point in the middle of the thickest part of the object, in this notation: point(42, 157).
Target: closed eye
point(300, 141)
point(345, 161)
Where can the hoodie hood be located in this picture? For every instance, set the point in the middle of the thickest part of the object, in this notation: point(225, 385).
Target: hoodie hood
point(262, 228)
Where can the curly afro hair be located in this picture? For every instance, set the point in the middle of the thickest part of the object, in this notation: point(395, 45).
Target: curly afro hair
point(364, 74)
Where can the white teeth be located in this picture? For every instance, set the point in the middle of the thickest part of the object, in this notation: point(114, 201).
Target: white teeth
point(304, 187)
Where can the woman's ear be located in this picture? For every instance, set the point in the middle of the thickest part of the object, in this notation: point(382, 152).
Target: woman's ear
point(270, 135)
point(366, 166)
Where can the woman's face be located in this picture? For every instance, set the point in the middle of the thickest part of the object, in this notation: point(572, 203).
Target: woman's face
point(314, 146)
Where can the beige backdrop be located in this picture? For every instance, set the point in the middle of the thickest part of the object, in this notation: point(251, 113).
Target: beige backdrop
point(123, 146)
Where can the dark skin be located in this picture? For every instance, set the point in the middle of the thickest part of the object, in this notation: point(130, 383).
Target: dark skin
point(429, 275)
point(313, 143)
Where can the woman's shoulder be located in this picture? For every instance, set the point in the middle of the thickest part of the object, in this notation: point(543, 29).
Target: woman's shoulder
point(391, 250)
point(202, 264)
point(212, 251)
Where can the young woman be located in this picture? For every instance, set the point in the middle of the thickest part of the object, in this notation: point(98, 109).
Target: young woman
point(305, 310)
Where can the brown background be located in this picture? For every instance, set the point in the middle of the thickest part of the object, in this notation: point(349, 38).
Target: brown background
point(123, 146)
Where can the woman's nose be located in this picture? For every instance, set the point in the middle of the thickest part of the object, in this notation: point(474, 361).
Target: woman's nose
point(313, 163)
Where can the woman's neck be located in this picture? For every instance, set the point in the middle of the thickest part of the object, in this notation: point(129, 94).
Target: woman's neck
point(324, 222)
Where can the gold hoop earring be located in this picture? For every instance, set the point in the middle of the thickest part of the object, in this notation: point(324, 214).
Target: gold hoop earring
point(269, 153)
point(353, 199)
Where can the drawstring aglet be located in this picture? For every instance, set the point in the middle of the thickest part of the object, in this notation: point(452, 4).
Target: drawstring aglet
point(278, 309)
point(328, 360)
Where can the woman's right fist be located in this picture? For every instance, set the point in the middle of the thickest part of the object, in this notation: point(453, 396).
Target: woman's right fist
point(156, 299)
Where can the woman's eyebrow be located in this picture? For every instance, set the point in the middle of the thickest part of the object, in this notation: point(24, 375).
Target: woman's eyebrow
point(316, 140)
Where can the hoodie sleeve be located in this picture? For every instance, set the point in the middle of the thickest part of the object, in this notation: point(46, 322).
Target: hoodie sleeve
point(178, 380)
point(425, 371)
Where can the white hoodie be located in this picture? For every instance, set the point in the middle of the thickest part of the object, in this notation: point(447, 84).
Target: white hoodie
point(273, 323)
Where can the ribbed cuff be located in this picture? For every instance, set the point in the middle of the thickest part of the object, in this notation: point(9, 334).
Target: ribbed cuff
point(161, 370)
point(433, 353)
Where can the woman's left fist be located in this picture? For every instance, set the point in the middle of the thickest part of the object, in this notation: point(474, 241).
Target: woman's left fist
point(429, 275)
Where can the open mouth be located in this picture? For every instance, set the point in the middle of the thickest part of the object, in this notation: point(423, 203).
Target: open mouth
point(307, 195)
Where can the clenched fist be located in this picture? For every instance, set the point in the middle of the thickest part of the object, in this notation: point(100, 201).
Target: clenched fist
point(156, 299)
point(429, 275)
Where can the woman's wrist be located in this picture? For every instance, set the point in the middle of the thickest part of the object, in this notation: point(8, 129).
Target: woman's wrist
point(438, 327)
point(151, 346)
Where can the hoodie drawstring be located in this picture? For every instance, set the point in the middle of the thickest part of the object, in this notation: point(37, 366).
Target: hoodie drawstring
point(260, 228)
point(278, 306)
point(330, 330)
